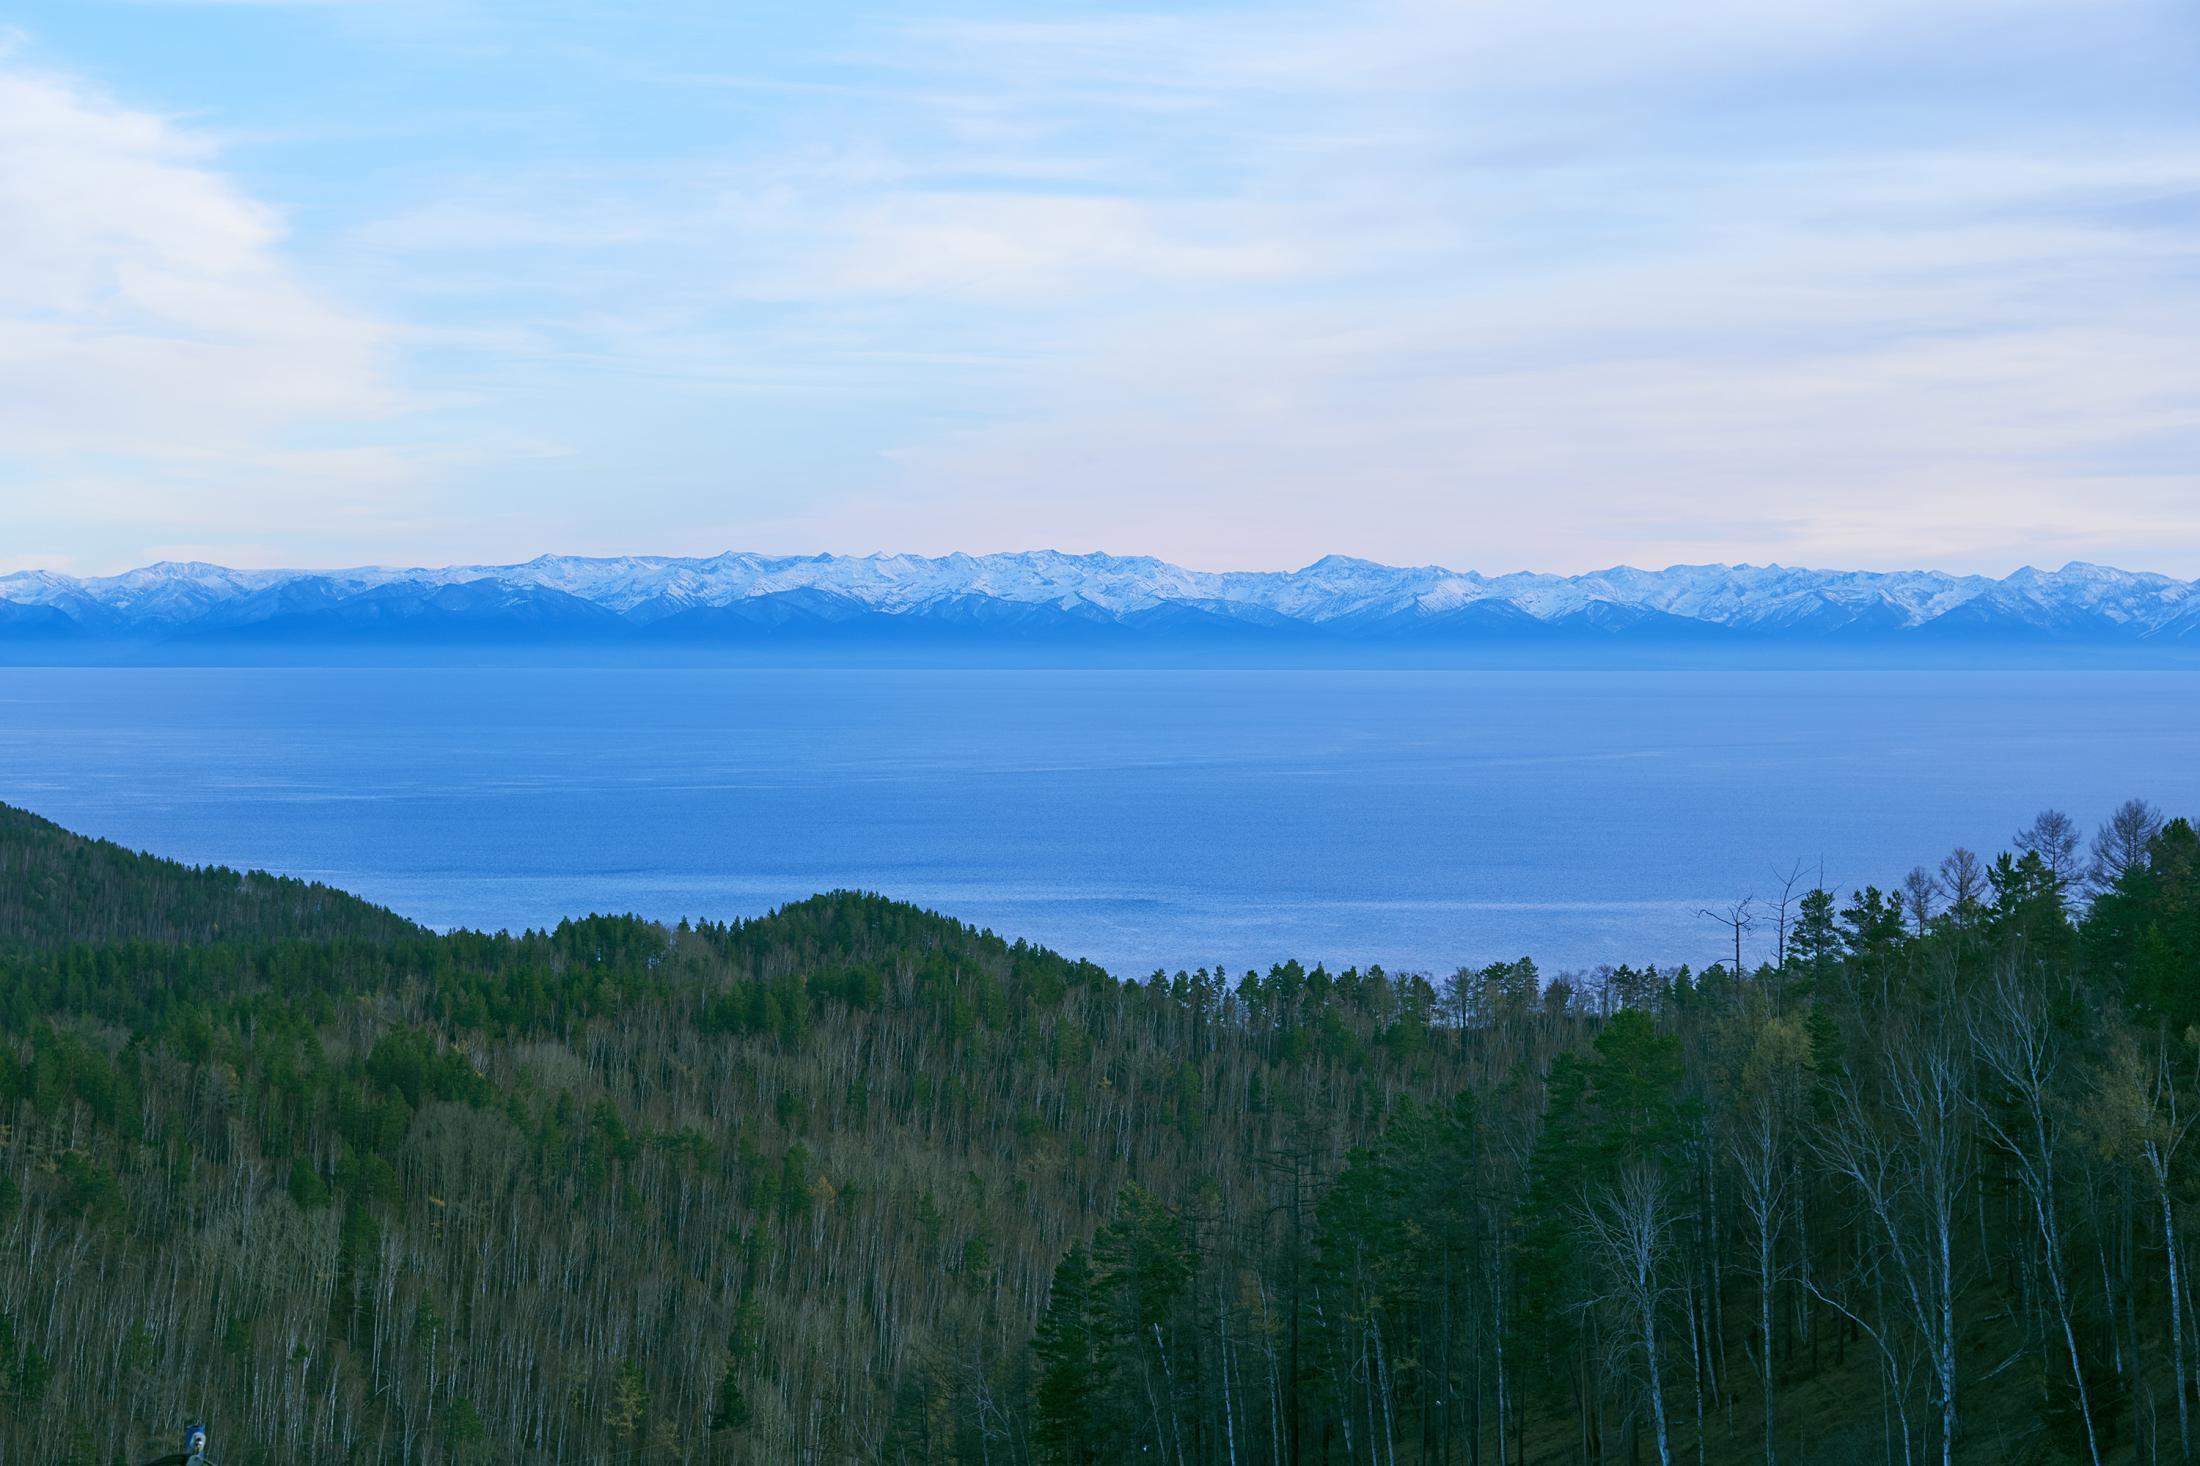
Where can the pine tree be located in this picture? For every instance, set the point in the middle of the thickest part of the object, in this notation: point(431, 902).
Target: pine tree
point(1070, 1381)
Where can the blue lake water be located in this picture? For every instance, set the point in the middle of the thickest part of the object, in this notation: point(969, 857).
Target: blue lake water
point(1141, 818)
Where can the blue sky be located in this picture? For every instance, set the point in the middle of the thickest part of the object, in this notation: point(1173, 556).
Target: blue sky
point(1499, 285)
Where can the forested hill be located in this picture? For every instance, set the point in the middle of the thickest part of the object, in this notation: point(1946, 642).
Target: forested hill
point(853, 1182)
point(57, 887)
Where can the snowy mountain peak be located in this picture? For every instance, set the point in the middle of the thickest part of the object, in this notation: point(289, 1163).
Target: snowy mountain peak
point(1336, 600)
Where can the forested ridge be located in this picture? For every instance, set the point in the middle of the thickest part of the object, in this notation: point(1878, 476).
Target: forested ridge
point(855, 1182)
point(57, 887)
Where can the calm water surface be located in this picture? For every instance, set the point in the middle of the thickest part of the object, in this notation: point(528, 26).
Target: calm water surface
point(1177, 818)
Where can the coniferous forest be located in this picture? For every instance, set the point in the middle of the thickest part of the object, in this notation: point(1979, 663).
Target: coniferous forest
point(1905, 1179)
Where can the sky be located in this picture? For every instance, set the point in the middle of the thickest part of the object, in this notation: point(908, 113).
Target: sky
point(1496, 284)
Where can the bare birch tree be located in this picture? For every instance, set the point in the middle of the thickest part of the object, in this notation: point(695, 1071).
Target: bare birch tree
point(2017, 1047)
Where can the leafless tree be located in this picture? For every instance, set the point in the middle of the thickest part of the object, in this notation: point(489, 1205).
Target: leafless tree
point(1919, 891)
point(1903, 1159)
point(1789, 880)
point(2139, 1115)
point(2053, 837)
point(2120, 845)
point(1759, 1142)
point(1963, 882)
point(2016, 1044)
point(1738, 918)
point(1627, 1229)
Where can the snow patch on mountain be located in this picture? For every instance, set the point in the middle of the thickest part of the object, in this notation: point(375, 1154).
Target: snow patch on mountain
point(1337, 592)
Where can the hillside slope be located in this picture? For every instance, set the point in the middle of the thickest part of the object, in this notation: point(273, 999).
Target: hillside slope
point(57, 887)
point(855, 1182)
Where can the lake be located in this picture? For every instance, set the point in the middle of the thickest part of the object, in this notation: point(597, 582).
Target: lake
point(1420, 819)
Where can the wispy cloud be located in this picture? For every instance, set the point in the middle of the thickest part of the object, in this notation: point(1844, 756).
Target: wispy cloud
point(1497, 284)
point(146, 307)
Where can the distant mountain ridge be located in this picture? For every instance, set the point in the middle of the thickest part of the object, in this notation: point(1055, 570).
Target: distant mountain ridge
point(1049, 599)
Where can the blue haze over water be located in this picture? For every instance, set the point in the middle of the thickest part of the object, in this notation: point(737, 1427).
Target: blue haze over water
point(1141, 818)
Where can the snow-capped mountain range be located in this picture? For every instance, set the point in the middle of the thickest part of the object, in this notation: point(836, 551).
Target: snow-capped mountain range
point(1049, 597)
